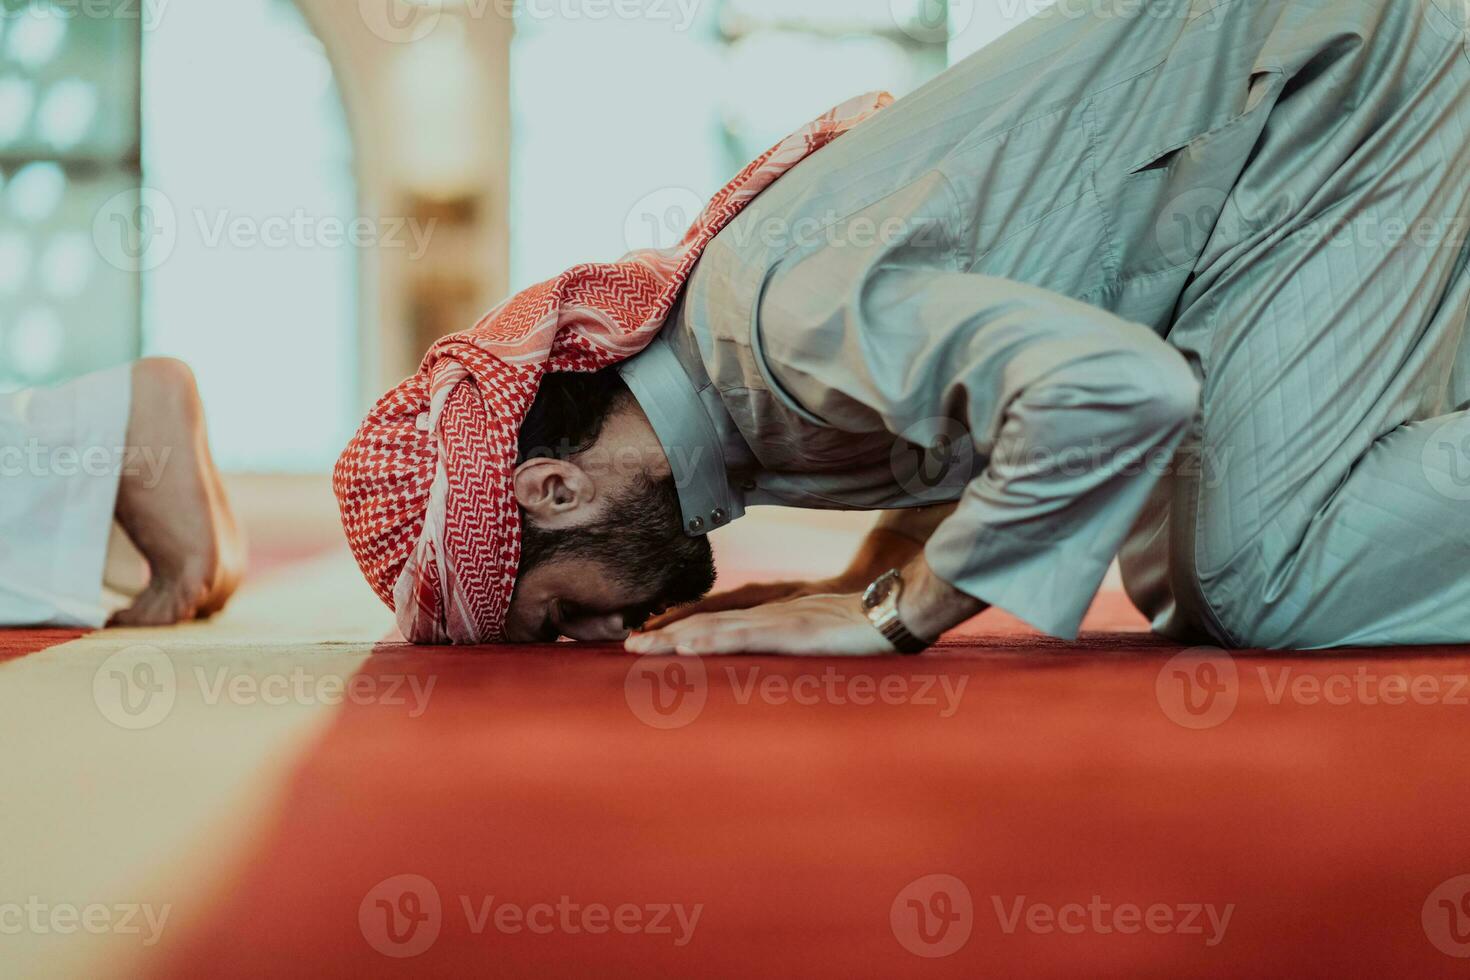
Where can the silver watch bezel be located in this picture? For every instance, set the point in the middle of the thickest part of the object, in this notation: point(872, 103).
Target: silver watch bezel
point(882, 589)
point(880, 603)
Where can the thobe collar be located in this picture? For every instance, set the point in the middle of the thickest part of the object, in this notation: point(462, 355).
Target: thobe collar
point(695, 432)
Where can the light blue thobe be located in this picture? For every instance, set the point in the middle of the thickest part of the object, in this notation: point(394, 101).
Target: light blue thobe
point(1102, 238)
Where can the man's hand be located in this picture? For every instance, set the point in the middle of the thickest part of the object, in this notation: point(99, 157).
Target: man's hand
point(758, 594)
point(815, 626)
point(893, 543)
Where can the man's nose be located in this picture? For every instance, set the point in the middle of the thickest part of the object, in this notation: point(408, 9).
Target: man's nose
point(608, 628)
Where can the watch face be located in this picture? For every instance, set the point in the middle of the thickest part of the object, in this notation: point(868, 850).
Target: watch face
point(879, 590)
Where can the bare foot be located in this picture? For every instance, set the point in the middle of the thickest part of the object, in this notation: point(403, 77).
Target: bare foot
point(171, 503)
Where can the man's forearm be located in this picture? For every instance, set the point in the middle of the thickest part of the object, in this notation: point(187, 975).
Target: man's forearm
point(930, 606)
point(893, 542)
point(914, 523)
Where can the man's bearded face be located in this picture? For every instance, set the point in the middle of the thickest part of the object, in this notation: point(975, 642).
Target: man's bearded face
point(598, 581)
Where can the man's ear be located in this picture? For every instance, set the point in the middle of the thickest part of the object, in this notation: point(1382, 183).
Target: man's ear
point(555, 492)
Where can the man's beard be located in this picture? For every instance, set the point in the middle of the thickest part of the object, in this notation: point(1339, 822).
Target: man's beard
point(642, 545)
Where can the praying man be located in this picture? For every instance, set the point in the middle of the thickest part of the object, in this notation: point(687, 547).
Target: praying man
point(1183, 285)
point(125, 447)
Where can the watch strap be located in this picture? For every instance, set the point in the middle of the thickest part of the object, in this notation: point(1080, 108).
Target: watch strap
point(903, 641)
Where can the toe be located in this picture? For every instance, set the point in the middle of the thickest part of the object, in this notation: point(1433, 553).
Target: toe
point(165, 602)
point(145, 611)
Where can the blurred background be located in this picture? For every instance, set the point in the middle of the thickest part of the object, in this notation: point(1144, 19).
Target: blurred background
point(297, 196)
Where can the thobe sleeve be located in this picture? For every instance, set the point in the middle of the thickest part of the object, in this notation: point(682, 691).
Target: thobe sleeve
point(1065, 415)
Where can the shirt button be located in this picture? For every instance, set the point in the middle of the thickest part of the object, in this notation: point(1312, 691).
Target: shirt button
point(697, 525)
point(718, 516)
point(748, 486)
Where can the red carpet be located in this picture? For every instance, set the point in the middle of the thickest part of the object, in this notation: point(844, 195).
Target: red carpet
point(18, 643)
point(555, 818)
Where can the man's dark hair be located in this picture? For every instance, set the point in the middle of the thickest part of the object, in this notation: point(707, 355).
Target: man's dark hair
point(646, 547)
point(569, 412)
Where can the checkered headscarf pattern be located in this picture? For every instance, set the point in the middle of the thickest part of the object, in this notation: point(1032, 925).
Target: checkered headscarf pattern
point(426, 486)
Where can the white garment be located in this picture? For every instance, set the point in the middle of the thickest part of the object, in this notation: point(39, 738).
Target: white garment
point(62, 453)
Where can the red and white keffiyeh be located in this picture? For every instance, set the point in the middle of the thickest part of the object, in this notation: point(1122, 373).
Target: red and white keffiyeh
point(426, 486)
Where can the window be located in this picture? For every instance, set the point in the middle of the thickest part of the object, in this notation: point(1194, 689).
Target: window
point(162, 191)
point(68, 144)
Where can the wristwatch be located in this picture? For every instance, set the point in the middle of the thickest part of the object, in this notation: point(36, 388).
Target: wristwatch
point(880, 602)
